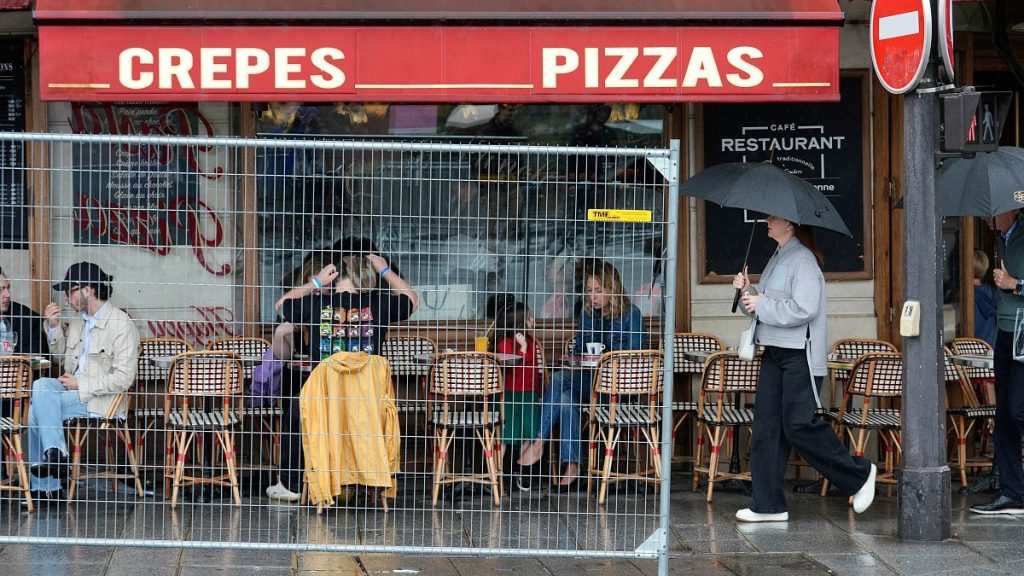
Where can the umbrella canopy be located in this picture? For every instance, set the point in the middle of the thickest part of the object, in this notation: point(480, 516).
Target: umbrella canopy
point(989, 184)
point(765, 188)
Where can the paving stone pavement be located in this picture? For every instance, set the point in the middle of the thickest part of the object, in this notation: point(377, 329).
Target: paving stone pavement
point(823, 536)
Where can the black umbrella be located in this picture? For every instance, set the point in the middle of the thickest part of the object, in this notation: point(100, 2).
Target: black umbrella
point(768, 189)
point(989, 184)
point(765, 188)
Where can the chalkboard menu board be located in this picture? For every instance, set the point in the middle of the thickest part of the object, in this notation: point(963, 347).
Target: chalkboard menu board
point(13, 209)
point(822, 142)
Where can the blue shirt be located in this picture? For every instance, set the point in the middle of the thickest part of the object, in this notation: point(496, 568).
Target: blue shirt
point(623, 333)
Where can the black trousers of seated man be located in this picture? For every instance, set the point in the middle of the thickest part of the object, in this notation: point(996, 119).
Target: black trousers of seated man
point(292, 465)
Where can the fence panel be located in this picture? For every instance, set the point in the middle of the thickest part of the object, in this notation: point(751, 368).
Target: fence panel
point(363, 346)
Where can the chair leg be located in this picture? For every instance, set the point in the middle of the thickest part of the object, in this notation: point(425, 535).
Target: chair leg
point(441, 443)
point(226, 443)
point(108, 447)
point(182, 439)
point(488, 443)
point(716, 449)
point(698, 457)
point(19, 462)
point(76, 460)
point(125, 434)
point(611, 440)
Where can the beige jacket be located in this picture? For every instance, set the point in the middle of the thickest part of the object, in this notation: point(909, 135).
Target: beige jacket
point(113, 356)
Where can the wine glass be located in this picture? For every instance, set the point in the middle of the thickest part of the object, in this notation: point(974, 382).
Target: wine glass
point(14, 341)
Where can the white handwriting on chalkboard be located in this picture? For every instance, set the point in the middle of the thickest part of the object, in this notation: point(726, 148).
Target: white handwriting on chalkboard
point(168, 120)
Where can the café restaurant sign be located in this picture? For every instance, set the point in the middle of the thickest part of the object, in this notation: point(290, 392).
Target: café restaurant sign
point(437, 64)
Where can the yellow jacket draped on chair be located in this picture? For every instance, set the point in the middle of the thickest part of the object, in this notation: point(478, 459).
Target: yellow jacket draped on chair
point(350, 431)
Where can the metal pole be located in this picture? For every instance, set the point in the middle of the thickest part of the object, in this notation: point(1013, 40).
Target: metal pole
point(923, 495)
point(670, 241)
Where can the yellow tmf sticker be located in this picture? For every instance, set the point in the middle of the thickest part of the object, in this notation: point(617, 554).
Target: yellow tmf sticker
point(596, 215)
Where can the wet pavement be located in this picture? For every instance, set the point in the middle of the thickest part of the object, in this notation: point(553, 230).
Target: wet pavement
point(823, 536)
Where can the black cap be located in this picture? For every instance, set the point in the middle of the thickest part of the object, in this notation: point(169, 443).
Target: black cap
point(82, 273)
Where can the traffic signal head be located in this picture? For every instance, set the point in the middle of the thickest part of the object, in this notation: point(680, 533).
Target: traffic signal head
point(973, 121)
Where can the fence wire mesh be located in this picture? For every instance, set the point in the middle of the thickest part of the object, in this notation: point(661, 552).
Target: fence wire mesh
point(340, 345)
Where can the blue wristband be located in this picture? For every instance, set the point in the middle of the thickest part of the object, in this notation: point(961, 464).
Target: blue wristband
point(316, 282)
point(385, 271)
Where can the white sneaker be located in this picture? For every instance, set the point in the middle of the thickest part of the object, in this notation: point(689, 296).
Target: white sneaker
point(866, 495)
point(748, 515)
point(279, 492)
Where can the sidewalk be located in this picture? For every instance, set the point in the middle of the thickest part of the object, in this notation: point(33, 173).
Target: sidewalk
point(823, 536)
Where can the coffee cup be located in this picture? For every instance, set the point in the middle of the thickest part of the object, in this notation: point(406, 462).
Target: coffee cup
point(595, 348)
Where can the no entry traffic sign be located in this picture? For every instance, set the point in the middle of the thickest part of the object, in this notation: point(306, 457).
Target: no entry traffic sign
point(901, 39)
point(946, 36)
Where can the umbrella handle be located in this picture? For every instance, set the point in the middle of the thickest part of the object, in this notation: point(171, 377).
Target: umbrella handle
point(735, 301)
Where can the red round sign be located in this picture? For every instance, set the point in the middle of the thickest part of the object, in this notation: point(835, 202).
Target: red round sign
point(901, 39)
point(946, 36)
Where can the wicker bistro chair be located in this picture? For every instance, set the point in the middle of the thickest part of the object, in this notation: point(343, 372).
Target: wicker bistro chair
point(851, 348)
point(965, 412)
point(147, 410)
point(204, 395)
point(401, 353)
point(724, 381)
point(116, 421)
point(626, 396)
point(466, 395)
point(267, 418)
point(983, 379)
point(16, 388)
point(875, 376)
point(686, 409)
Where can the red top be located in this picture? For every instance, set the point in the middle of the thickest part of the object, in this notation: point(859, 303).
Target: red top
point(525, 376)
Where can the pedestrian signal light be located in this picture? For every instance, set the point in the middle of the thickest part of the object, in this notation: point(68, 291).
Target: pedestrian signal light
point(973, 121)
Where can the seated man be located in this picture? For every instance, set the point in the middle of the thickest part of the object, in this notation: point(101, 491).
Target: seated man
point(23, 321)
point(100, 354)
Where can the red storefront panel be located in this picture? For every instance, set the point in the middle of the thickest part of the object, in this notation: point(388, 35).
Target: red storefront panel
point(439, 63)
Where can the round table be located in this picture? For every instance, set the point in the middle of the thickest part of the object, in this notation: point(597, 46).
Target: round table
point(503, 359)
point(974, 360)
point(164, 362)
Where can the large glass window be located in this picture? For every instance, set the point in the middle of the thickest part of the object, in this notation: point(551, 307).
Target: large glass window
point(462, 227)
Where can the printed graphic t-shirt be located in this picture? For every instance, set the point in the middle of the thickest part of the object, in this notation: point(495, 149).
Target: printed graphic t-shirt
point(346, 321)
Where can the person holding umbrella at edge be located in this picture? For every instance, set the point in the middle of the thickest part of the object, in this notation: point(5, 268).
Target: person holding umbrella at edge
point(1009, 278)
point(790, 323)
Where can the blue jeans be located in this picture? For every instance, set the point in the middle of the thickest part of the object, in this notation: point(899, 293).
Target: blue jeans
point(562, 403)
point(51, 406)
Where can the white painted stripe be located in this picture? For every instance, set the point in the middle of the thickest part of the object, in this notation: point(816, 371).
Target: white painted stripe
point(898, 25)
point(419, 86)
point(801, 84)
point(79, 85)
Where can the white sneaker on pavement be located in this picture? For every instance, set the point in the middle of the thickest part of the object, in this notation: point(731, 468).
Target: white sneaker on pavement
point(279, 492)
point(866, 495)
point(748, 515)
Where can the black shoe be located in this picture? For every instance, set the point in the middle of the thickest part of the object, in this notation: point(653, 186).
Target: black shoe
point(1000, 505)
point(54, 465)
point(42, 497)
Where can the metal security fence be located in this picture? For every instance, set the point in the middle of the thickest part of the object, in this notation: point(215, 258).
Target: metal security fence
point(361, 346)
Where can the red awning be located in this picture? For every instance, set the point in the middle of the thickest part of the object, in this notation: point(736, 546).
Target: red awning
point(15, 4)
point(503, 12)
point(455, 51)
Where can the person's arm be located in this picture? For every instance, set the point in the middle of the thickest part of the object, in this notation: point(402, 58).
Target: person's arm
point(634, 325)
point(396, 283)
point(803, 301)
point(324, 277)
point(54, 331)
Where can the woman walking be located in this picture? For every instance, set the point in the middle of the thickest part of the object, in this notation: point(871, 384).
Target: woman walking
point(790, 322)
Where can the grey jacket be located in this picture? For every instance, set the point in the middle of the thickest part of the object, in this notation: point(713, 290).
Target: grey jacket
point(793, 290)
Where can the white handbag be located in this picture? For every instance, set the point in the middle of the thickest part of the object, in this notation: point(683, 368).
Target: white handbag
point(746, 348)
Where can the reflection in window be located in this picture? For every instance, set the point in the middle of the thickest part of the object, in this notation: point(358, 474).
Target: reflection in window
point(463, 226)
